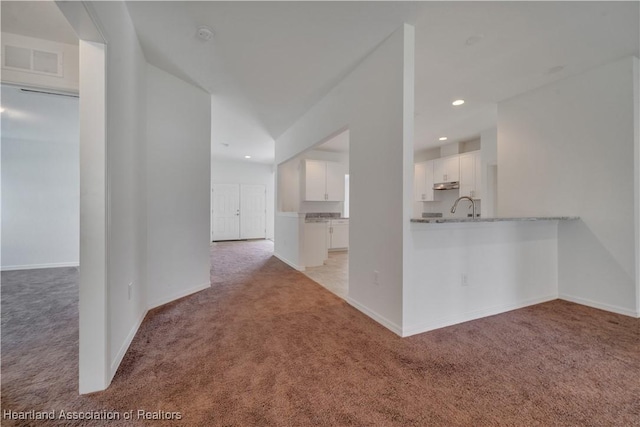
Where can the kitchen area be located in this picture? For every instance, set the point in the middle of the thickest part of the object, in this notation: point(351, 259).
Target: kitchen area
point(313, 202)
point(454, 180)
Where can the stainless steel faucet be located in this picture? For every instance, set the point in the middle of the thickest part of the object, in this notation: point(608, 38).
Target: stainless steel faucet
point(473, 205)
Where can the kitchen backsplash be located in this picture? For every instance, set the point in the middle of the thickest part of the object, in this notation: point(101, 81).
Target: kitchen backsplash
point(445, 200)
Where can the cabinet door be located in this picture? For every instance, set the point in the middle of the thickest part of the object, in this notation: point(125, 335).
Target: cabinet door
point(446, 169)
point(439, 171)
point(420, 181)
point(339, 235)
point(315, 180)
point(335, 182)
point(467, 175)
point(314, 244)
point(428, 179)
point(452, 168)
point(477, 192)
point(423, 181)
point(471, 174)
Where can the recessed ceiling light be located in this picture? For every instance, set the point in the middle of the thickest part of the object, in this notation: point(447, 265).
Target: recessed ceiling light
point(225, 144)
point(443, 138)
point(458, 102)
point(247, 157)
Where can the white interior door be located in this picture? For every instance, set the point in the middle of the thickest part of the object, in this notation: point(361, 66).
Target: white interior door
point(225, 216)
point(252, 211)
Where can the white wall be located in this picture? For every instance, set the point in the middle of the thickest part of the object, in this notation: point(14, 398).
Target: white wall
point(239, 172)
point(178, 191)
point(489, 162)
point(568, 149)
point(289, 237)
point(69, 79)
point(508, 265)
point(375, 102)
point(126, 173)
point(40, 180)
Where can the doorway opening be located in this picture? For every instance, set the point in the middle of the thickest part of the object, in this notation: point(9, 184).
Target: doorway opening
point(238, 212)
point(313, 207)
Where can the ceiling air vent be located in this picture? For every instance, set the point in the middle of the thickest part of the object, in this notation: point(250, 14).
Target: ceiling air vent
point(32, 60)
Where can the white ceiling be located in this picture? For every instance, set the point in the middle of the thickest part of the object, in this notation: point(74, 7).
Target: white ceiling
point(336, 144)
point(269, 62)
point(39, 19)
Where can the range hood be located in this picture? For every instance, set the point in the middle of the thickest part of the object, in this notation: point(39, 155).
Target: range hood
point(447, 185)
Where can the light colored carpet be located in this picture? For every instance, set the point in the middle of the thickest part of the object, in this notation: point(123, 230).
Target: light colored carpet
point(267, 346)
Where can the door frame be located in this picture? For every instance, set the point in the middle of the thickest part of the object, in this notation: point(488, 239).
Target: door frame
point(93, 303)
point(240, 208)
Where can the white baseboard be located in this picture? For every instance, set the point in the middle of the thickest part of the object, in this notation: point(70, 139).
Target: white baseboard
point(132, 333)
point(38, 266)
point(289, 263)
point(125, 346)
point(472, 315)
point(600, 306)
point(178, 295)
point(375, 316)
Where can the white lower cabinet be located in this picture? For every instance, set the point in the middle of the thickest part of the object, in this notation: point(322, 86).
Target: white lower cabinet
point(314, 244)
point(338, 234)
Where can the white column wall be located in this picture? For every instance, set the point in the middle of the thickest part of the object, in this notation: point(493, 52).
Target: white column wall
point(178, 191)
point(125, 160)
point(568, 149)
point(94, 367)
point(375, 103)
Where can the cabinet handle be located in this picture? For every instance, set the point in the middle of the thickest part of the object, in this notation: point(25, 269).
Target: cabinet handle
point(445, 177)
point(423, 197)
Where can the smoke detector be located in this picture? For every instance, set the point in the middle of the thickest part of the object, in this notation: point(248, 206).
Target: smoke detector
point(204, 33)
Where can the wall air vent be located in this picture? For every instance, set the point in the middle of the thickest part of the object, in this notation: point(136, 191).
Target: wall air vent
point(32, 60)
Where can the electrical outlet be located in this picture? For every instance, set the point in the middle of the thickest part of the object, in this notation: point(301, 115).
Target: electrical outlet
point(130, 288)
point(464, 279)
point(376, 278)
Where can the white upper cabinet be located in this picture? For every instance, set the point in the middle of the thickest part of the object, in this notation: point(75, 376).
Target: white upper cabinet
point(423, 181)
point(315, 180)
point(323, 181)
point(335, 182)
point(470, 174)
point(446, 169)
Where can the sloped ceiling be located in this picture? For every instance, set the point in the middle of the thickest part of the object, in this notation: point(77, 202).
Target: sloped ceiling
point(269, 62)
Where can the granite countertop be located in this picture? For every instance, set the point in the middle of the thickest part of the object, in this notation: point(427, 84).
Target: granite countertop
point(322, 219)
point(322, 216)
point(496, 219)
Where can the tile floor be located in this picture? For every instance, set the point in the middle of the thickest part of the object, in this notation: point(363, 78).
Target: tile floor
point(334, 274)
